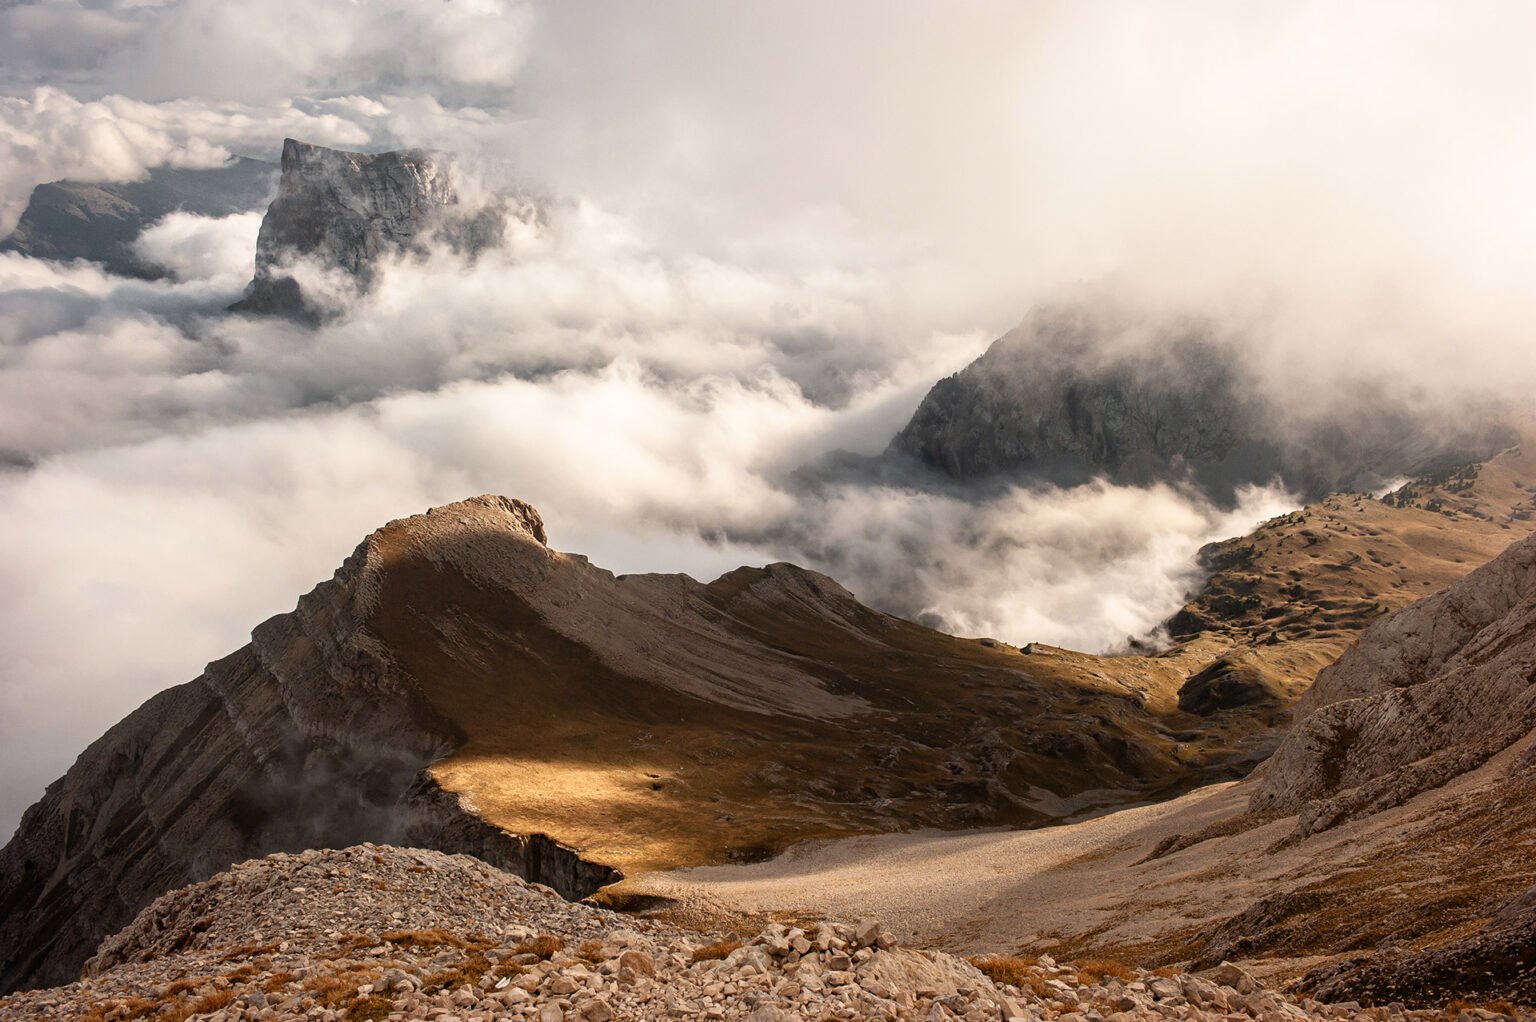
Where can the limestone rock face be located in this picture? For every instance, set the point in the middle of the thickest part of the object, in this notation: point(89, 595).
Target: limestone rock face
point(344, 210)
point(307, 737)
point(1425, 695)
point(1073, 394)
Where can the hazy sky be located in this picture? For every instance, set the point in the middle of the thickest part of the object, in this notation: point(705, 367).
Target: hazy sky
point(770, 227)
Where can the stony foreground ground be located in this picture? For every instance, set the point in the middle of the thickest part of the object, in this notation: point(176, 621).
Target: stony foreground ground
point(380, 933)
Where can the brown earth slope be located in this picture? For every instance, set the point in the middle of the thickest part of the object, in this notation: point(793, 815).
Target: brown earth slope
point(1384, 853)
point(1295, 592)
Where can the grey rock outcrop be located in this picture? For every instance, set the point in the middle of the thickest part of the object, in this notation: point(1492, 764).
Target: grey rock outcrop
point(1424, 695)
point(1075, 393)
point(344, 210)
point(100, 222)
point(307, 737)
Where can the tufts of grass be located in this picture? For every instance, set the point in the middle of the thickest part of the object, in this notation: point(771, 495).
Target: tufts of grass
point(716, 951)
point(544, 945)
point(247, 951)
point(591, 951)
point(424, 938)
point(1011, 969)
point(1015, 970)
point(197, 1006)
point(332, 990)
point(466, 973)
point(373, 1008)
point(1093, 970)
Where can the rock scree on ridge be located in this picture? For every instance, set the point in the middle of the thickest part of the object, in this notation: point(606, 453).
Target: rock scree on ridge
point(374, 932)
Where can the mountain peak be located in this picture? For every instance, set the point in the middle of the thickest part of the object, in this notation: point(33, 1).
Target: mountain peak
point(487, 509)
point(344, 210)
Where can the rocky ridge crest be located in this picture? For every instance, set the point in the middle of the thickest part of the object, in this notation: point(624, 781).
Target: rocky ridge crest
point(310, 735)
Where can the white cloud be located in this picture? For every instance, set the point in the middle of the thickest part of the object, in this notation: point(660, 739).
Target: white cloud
point(216, 250)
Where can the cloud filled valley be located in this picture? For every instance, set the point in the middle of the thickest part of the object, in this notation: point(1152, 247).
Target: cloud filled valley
point(732, 275)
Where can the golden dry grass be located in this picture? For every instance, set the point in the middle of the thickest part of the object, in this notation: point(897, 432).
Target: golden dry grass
point(1015, 970)
point(204, 1005)
point(373, 1008)
point(545, 945)
point(716, 951)
point(247, 950)
point(1094, 970)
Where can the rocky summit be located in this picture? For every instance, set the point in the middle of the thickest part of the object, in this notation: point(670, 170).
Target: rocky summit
point(344, 211)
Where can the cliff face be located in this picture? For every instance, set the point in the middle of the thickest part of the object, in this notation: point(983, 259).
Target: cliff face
point(1411, 774)
point(307, 737)
point(1073, 394)
point(1425, 695)
point(100, 222)
point(344, 210)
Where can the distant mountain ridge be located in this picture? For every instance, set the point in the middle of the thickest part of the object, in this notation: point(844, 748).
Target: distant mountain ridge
point(1079, 392)
point(100, 221)
point(344, 209)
